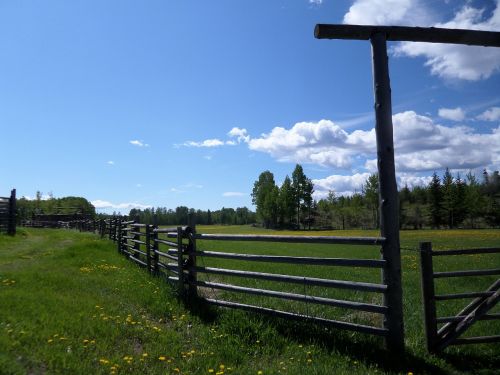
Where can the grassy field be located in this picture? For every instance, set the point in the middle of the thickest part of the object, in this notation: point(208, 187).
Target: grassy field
point(70, 304)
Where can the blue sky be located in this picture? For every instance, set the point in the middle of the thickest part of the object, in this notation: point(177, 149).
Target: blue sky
point(156, 103)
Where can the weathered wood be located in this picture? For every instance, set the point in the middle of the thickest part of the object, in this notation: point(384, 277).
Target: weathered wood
point(193, 277)
point(164, 242)
point(476, 340)
point(411, 34)
point(388, 194)
point(288, 315)
point(428, 297)
point(468, 309)
point(295, 260)
point(290, 239)
point(180, 262)
point(340, 284)
point(148, 248)
point(485, 272)
point(137, 260)
point(490, 250)
point(296, 297)
point(452, 319)
point(11, 229)
point(154, 244)
point(444, 297)
point(165, 230)
point(483, 307)
point(166, 255)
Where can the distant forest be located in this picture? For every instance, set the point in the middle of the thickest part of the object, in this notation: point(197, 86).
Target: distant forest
point(446, 202)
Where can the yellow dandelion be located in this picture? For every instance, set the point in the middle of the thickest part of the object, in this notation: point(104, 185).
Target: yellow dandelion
point(222, 367)
point(259, 372)
point(177, 369)
point(210, 370)
point(104, 361)
point(49, 341)
point(144, 354)
point(161, 358)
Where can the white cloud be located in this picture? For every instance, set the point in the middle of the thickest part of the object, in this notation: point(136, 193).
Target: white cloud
point(240, 134)
point(492, 114)
point(206, 143)
point(451, 61)
point(323, 143)
point(420, 145)
point(316, 2)
point(110, 162)
point(98, 203)
point(139, 143)
point(233, 194)
point(387, 12)
point(454, 114)
point(341, 185)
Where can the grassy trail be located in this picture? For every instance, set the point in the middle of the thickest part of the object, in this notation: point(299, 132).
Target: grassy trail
point(70, 304)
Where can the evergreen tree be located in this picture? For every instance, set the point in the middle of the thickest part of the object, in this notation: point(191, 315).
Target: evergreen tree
point(435, 201)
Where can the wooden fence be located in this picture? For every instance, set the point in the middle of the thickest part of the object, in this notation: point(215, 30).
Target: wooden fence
point(454, 326)
point(174, 254)
point(8, 213)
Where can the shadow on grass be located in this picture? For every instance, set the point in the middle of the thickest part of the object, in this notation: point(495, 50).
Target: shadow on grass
point(367, 349)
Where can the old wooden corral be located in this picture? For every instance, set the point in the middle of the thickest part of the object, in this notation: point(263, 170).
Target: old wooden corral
point(388, 195)
point(8, 213)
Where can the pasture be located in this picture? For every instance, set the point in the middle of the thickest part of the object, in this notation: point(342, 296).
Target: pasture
point(72, 304)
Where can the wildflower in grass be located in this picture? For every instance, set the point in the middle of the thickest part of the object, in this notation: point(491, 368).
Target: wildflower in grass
point(144, 355)
point(260, 372)
point(162, 358)
point(103, 361)
point(85, 341)
point(177, 369)
point(211, 370)
point(222, 367)
point(49, 341)
point(309, 361)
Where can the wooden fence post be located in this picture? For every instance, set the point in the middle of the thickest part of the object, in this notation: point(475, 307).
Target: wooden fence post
point(120, 233)
point(428, 300)
point(180, 261)
point(193, 293)
point(137, 245)
point(388, 195)
point(148, 247)
point(156, 257)
point(12, 213)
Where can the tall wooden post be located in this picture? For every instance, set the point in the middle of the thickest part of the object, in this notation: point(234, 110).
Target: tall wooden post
point(428, 301)
point(388, 194)
point(12, 213)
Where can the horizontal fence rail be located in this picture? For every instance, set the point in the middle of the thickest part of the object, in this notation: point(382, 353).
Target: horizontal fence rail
point(173, 253)
point(477, 310)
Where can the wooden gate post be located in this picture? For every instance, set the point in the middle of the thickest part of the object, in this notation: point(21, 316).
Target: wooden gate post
point(388, 194)
point(11, 229)
point(428, 295)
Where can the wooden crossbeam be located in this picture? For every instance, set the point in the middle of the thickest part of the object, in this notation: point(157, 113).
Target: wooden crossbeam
point(410, 34)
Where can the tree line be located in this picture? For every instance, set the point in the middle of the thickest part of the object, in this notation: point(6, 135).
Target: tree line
point(180, 216)
point(446, 202)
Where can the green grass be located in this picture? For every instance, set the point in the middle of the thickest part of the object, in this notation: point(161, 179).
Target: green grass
point(70, 304)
